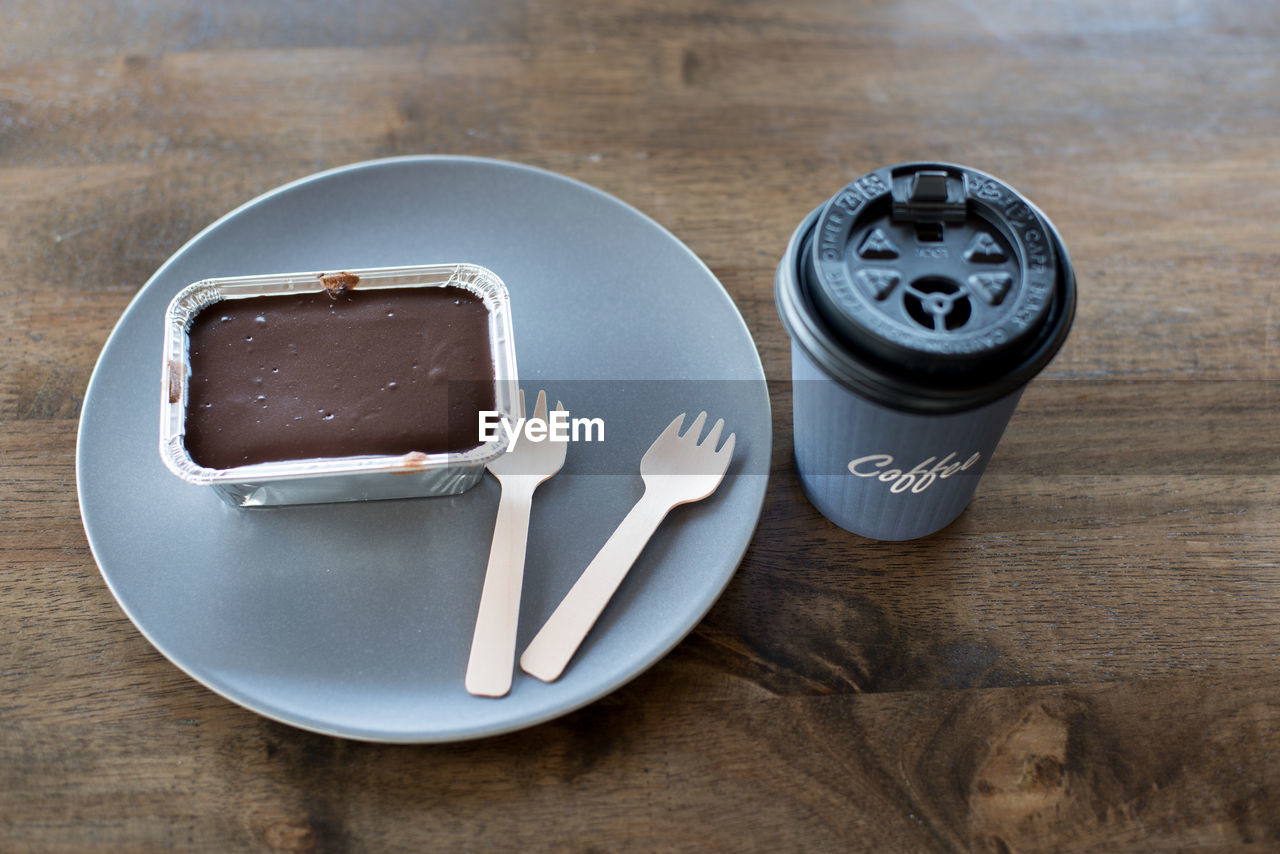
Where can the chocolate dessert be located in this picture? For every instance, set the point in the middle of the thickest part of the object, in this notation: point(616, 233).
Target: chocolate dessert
point(343, 372)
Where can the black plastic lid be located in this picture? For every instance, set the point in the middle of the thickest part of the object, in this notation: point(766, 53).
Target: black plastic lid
point(935, 287)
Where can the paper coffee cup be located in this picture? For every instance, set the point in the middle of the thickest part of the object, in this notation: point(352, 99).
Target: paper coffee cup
point(920, 300)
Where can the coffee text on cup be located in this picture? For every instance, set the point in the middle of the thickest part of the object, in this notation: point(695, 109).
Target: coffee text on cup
point(917, 479)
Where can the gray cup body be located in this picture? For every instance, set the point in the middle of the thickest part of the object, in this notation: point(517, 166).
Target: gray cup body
point(894, 424)
point(881, 472)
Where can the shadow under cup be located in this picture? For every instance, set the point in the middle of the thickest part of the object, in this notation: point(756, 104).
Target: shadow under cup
point(920, 300)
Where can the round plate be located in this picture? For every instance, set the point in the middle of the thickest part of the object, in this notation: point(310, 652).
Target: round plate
point(355, 619)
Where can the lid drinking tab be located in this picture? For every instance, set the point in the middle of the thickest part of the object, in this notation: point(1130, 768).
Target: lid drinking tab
point(928, 195)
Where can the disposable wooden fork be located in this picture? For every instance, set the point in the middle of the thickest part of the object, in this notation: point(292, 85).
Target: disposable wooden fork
point(676, 470)
point(519, 470)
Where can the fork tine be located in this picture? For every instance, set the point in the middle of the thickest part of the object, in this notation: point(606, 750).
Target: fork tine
point(522, 415)
point(726, 450)
point(695, 429)
point(540, 408)
point(672, 429)
point(713, 437)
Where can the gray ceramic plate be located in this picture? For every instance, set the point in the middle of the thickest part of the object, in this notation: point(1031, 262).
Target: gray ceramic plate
point(355, 619)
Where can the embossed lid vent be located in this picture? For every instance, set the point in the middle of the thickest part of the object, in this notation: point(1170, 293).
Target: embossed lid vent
point(932, 268)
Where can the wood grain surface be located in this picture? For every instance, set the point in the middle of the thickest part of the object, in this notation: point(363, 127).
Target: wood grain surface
point(1088, 660)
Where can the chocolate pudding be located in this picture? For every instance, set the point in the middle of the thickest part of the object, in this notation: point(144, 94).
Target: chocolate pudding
point(340, 373)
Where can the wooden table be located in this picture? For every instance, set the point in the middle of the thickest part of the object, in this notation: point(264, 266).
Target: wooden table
point(1089, 659)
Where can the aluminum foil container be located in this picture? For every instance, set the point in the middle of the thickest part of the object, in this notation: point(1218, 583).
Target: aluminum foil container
point(330, 479)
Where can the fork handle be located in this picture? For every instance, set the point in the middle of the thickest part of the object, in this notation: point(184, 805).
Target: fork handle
point(559, 638)
point(493, 646)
